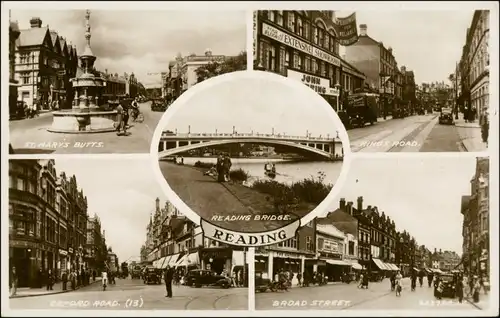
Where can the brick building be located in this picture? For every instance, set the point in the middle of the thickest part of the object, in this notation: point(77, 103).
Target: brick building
point(47, 220)
point(303, 45)
point(44, 64)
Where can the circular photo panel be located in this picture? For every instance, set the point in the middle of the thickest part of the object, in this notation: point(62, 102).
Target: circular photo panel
point(251, 156)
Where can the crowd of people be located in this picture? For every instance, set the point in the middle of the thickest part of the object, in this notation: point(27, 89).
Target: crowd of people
point(124, 110)
point(70, 279)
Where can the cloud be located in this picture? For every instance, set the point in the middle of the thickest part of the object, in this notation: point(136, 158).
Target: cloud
point(144, 42)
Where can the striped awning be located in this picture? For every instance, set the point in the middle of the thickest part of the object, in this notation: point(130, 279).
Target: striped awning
point(337, 262)
point(380, 264)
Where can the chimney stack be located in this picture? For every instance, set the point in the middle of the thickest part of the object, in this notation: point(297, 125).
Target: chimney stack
point(403, 69)
point(389, 49)
point(363, 29)
point(360, 204)
point(157, 204)
point(440, 251)
point(435, 250)
point(342, 204)
point(36, 22)
point(349, 207)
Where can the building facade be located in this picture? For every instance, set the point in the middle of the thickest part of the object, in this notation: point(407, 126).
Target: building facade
point(303, 45)
point(45, 62)
point(13, 83)
point(47, 220)
point(173, 240)
point(296, 255)
point(96, 249)
point(475, 65)
point(475, 230)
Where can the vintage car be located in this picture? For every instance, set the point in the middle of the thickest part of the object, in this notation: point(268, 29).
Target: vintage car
point(152, 275)
point(158, 105)
point(201, 277)
point(446, 116)
point(262, 283)
point(449, 283)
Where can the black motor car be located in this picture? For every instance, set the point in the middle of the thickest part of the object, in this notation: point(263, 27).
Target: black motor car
point(446, 117)
point(201, 277)
point(262, 284)
point(448, 285)
point(152, 275)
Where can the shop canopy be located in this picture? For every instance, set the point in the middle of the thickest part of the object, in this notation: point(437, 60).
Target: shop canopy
point(356, 265)
point(381, 265)
point(337, 262)
point(164, 262)
point(155, 263)
point(193, 259)
point(392, 267)
point(183, 261)
point(173, 260)
point(396, 268)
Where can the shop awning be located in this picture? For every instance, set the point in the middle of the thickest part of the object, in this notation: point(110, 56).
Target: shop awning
point(158, 262)
point(337, 262)
point(396, 268)
point(437, 270)
point(380, 264)
point(238, 258)
point(164, 262)
point(357, 266)
point(193, 259)
point(155, 263)
point(416, 269)
point(183, 261)
point(173, 260)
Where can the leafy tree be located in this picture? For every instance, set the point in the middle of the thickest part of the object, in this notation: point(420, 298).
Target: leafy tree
point(230, 64)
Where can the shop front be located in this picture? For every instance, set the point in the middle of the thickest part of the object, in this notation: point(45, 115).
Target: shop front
point(63, 264)
point(272, 261)
point(217, 259)
point(22, 256)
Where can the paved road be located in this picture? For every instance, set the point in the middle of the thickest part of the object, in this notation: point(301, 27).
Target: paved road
point(211, 199)
point(148, 296)
point(349, 297)
point(419, 133)
point(35, 130)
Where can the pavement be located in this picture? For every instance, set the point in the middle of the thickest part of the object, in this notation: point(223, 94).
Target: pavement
point(350, 297)
point(417, 133)
point(34, 130)
point(214, 201)
point(56, 289)
point(130, 294)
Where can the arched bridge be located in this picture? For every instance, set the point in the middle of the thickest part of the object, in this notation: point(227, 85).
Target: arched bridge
point(174, 143)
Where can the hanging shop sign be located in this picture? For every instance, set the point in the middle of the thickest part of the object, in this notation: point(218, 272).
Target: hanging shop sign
point(298, 44)
point(347, 31)
point(319, 84)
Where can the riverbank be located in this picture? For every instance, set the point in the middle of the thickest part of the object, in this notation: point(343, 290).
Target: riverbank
point(211, 199)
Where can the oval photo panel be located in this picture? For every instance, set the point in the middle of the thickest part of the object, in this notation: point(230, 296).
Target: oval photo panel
point(250, 155)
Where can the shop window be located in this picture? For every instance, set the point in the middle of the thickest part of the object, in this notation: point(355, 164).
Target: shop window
point(21, 184)
point(307, 64)
point(271, 58)
point(327, 41)
point(279, 17)
point(296, 60)
point(291, 21)
point(321, 37)
point(315, 34)
point(26, 78)
point(24, 58)
point(315, 66)
point(309, 245)
point(321, 241)
point(322, 69)
point(307, 30)
point(300, 28)
point(351, 248)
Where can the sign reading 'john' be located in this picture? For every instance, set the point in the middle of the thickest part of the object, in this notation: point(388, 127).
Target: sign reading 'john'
point(249, 239)
point(347, 32)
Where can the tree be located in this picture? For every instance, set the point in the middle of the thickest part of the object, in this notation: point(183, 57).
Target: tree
point(230, 64)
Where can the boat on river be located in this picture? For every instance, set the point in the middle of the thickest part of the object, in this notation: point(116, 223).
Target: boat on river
point(270, 170)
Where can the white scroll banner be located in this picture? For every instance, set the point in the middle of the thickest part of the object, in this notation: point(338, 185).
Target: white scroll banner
point(249, 239)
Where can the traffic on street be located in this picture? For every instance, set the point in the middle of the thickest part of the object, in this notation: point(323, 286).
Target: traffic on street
point(342, 296)
point(130, 294)
point(417, 133)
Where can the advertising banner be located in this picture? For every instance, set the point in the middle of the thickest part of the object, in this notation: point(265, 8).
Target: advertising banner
point(347, 31)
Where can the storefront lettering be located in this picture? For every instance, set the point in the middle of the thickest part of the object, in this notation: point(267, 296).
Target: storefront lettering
point(289, 40)
point(248, 239)
point(318, 84)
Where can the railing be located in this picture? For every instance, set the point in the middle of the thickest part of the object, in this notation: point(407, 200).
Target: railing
point(166, 135)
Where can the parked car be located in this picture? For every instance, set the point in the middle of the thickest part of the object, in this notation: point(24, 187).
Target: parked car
point(201, 277)
point(446, 117)
point(449, 281)
point(262, 284)
point(152, 275)
point(158, 105)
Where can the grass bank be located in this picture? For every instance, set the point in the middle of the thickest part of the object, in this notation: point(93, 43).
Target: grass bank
point(238, 175)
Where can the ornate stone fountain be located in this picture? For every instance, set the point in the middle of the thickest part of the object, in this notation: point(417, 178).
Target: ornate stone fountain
point(85, 116)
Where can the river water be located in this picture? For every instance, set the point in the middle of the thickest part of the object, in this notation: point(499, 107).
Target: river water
point(287, 171)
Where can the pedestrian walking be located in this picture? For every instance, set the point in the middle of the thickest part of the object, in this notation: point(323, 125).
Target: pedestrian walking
point(94, 274)
point(73, 279)
point(13, 280)
point(459, 289)
point(50, 280)
point(64, 279)
point(39, 278)
point(226, 167)
point(120, 122)
point(168, 275)
point(475, 290)
point(299, 278)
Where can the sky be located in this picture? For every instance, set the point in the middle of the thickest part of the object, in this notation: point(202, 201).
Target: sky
point(122, 193)
point(421, 195)
point(252, 105)
point(144, 42)
point(427, 42)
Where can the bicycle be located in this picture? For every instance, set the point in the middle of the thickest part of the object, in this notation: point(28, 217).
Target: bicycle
point(137, 116)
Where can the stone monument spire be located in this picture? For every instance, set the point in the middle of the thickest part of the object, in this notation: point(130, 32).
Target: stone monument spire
point(87, 58)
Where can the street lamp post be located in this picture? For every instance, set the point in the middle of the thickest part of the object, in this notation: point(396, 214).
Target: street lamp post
point(338, 87)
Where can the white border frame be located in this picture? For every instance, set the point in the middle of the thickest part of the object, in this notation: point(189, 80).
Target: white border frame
point(294, 85)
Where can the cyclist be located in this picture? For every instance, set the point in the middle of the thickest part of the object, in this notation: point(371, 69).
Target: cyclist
point(135, 109)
